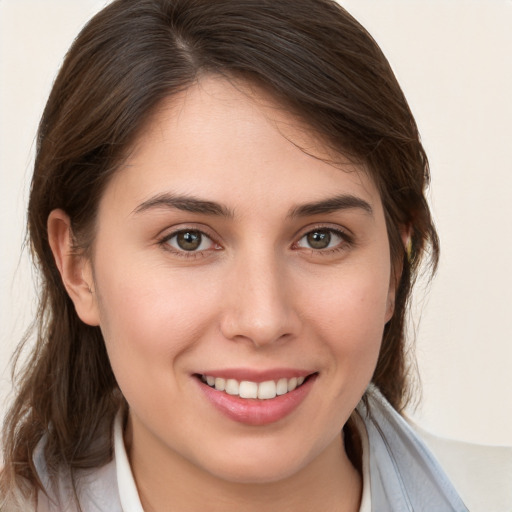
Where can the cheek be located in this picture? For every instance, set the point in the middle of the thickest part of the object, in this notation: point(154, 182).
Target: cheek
point(351, 315)
point(359, 298)
point(151, 318)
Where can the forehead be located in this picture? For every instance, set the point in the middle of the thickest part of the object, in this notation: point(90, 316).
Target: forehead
point(233, 140)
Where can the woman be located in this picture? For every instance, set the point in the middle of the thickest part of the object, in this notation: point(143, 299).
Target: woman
point(228, 212)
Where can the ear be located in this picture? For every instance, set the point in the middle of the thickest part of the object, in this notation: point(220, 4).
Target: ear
point(75, 269)
point(390, 303)
point(405, 235)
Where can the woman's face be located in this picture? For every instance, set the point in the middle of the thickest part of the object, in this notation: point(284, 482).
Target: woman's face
point(228, 250)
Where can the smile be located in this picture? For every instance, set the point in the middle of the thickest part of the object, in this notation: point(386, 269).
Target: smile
point(248, 389)
point(270, 397)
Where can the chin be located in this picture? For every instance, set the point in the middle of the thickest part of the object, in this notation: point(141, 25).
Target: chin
point(267, 472)
point(259, 464)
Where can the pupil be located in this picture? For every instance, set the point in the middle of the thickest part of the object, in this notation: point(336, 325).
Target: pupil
point(319, 239)
point(189, 240)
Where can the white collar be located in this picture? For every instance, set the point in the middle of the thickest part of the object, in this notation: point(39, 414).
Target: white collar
point(128, 494)
point(366, 497)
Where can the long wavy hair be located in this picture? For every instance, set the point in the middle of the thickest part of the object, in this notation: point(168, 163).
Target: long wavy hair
point(315, 59)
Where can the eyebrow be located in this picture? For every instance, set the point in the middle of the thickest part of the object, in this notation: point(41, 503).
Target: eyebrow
point(331, 205)
point(195, 205)
point(185, 203)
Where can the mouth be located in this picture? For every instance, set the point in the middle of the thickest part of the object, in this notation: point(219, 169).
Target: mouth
point(261, 401)
point(247, 389)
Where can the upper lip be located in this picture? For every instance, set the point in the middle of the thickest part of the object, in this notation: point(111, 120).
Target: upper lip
point(256, 375)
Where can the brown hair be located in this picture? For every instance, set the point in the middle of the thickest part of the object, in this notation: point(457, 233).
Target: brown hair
point(312, 55)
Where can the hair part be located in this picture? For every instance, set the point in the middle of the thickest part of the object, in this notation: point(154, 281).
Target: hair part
point(314, 58)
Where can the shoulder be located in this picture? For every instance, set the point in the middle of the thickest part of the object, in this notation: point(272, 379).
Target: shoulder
point(481, 474)
point(430, 472)
point(404, 475)
point(14, 498)
point(17, 501)
point(96, 488)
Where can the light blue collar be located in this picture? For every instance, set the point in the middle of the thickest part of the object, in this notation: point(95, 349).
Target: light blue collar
point(404, 475)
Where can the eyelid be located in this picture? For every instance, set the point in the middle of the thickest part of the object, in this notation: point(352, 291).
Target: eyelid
point(170, 231)
point(335, 228)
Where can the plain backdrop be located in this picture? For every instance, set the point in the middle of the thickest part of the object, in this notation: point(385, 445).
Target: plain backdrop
point(453, 60)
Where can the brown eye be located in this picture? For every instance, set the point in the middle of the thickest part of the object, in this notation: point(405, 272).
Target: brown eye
point(190, 240)
point(320, 239)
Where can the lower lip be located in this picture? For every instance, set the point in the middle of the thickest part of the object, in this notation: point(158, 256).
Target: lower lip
point(252, 411)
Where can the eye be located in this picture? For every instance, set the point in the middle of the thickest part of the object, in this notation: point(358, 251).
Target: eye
point(190, 240)
point(321, 239)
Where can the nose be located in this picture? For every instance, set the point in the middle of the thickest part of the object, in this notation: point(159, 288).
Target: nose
point(258, 304)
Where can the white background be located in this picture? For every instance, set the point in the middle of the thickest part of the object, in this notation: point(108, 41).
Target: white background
point(453, 60)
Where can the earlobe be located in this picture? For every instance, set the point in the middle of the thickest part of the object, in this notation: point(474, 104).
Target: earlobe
point(390, 305)
point(75, 269)
point(406, 235)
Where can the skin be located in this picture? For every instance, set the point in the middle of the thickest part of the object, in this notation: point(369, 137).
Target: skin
point(255, 295)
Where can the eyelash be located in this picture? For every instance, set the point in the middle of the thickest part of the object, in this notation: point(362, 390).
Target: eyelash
point(346, 242)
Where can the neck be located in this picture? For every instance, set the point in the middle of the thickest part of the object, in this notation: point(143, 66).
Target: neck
point(329, 483)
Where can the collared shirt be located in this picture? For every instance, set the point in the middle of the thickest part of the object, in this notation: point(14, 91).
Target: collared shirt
point(399, 472)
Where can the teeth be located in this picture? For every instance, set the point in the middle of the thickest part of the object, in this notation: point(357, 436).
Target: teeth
point(292, 383)
point(232, 387)
point(220, 384)
point(282, 386)
point(247, 389)
point(267, 390)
